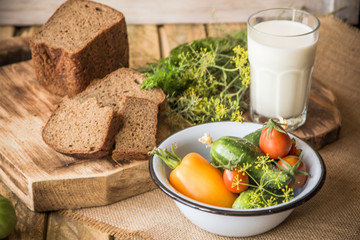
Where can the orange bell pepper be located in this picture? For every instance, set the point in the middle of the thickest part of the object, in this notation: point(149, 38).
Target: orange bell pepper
point(196, 178)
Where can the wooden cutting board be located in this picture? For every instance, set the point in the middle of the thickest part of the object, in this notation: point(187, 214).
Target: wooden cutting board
point(47, 180)
point(41, 177)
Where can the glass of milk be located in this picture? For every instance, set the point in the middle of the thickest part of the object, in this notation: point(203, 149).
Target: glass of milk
point(281, 51)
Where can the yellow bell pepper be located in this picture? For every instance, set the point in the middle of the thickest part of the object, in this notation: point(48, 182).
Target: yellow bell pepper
point(196, 178)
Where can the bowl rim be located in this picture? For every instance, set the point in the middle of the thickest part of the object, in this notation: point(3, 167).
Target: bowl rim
point(238, 212)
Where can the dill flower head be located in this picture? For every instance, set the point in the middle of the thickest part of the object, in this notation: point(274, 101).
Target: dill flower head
point(237, 116)
point(241, 57)
point(263, 162)
point(221, 111)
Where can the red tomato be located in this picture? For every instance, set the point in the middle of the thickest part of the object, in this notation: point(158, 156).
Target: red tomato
point(274, 140)
point(295, 168)
point(235, 181)
point(294, 150)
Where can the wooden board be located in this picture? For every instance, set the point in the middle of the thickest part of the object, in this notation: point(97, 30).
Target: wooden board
point(42, 178)
point(14, 49)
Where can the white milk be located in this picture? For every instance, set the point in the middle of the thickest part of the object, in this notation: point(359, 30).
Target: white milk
point(281, 68)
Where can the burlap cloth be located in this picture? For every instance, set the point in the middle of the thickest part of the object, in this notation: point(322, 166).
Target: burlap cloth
point(334, 213)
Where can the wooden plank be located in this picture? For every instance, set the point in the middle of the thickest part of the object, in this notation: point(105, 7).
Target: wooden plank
point(42, 178)
point(36, 12)
point(6, 32)
point(14, 49)
point(347, 10)
point(62, 227)
point(27, 31)
point(30, 225)
point(144, 45)
point(174, 35)
point(220, 29)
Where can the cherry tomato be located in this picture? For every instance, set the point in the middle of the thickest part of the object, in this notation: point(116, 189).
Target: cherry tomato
point(274, 140)
point(294, 150)
point(235, 181)
point(295, 168)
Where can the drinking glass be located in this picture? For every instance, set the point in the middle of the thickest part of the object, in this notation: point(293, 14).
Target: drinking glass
point(281, 50)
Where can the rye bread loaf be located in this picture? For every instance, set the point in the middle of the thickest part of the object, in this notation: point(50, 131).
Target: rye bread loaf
point(81, 41)
point(82, 129)
point(137, 137)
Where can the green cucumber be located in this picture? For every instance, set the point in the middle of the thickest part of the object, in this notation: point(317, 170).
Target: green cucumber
point(252, 198)
point(243, 201)
point(229, 152)
point(254, 137)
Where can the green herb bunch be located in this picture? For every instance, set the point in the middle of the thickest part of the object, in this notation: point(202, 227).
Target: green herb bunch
point(205, 80)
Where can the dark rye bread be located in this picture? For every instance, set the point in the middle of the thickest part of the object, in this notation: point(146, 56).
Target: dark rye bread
point(81, 41)
point(111, 90)
point(137, 136)
point(82, 129)
point(121, 90)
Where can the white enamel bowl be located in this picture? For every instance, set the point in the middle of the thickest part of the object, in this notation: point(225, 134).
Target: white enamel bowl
point(227, 221)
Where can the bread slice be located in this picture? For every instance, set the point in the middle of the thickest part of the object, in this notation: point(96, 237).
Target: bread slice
point(119, 93)
point(123, 82)
point(81, 41)
point(137, 137)
point(139, 110)
point(82, 129)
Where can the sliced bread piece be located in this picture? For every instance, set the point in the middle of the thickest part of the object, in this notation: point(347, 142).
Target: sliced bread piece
point(137, 137)
point(82, 129)
point(118, 84)
point(81, 41)
point(123, 82)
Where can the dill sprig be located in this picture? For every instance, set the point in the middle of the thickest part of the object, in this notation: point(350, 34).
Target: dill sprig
point(205, 80)
point(259, 195)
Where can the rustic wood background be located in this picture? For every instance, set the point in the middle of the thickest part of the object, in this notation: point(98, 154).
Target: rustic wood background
point(36, 12)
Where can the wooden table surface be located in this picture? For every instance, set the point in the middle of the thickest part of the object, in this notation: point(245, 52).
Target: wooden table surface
point(147, 43)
